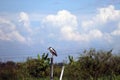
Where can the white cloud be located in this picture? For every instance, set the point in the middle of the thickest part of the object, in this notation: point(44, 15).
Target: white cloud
point(17, 36)
point(8, 31)
point(69, 34)
point(68, 27)
point(24, 18)
point(117, 31)
point(66, 22)
point(104, 15)
point(95, 34)
point(107, 14)
point(108, 37)
point(62, 18)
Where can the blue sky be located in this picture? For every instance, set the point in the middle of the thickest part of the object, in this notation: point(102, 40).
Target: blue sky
point(28, 28)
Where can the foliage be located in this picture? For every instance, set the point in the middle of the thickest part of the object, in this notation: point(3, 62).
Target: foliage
point(94, 65)
point(9, 71)
point(91, 65)
point(38, 67)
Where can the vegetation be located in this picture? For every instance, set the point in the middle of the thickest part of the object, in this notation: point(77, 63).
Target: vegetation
point(91, 65)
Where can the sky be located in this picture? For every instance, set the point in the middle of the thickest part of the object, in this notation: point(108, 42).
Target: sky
point(29, 27)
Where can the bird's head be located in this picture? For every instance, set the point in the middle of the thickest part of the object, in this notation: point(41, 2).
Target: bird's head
point(49, 48)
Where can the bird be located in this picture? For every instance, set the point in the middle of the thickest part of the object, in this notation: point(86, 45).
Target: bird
point(52, 51)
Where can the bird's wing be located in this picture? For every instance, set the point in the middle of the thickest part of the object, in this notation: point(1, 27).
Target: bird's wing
point(55, 53)
point(53, 50)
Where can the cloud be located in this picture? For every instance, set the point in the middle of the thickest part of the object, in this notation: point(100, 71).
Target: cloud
point(62, 18)
point(17, 36)
point(66, 22)
point(8, 31)
point(108, 14)
point(117, 31)
point(104, 15)
point(103, 20)
point(24, 18)
point(68, 27)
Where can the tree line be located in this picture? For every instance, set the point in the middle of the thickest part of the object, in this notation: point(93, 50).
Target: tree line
point(90, 65)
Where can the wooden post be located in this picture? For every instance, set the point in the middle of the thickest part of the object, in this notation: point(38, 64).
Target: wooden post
point(51, 69)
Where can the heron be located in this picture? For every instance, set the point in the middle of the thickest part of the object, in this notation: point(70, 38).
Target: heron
point(52, 51)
